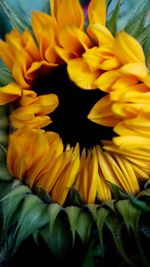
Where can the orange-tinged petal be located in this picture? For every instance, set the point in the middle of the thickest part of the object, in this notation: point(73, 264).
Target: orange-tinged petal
point(29, 45)
point(21, 64)
point(97, 11)
point(66, 56)
point(67, 178)
point(6, 54)
point(146, 80)
point(73, 9)
point(124, 82)
point(74, 40)
point(4, 98)
point(127, 49)
point(9, 93)
point(43, 67)
point(81, 75)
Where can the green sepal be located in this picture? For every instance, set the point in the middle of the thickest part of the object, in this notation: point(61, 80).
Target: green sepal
point(35, 218)
point(14, 17)
point(114, 224)
point(101, 217)
point(136, 25)
point(73, 213)
point(118, 193)
point(140, 205)
point(112, 21)
point(11, 204)
point(57, 233)
point(38, 190)
point(129, 214)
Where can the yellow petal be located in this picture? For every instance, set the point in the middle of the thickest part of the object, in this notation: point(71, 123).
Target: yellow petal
point(127, 49)
point(92, 175)
point(63, 185)
point(73, 9)
point(22, 61)
point(100, 34)
point(81, 75)
point(107, 79)
point(9, 93)
point(103, 189)
point(29, 45)
point(6, 54)
point(102, 113)
point(100, 58)
point(97, 11)
point(125, 82)
point(146, 80)
point(129, 142)
point(74, 40)
point(137, 69)
point(49, 103)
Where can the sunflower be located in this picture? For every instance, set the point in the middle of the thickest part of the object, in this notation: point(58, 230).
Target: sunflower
point(78, 155)
point(96, 88)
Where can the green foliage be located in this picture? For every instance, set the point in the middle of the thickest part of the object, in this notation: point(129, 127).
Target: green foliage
point(17, 21)
point(136, 24)
point(26, 214)
point(5, 75)
point(112, 21)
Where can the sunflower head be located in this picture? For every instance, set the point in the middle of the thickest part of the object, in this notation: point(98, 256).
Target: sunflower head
point(79, 90)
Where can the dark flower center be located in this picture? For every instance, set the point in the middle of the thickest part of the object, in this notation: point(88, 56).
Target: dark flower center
point(70, 117)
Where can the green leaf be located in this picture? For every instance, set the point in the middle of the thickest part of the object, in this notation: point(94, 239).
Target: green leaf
point(112, 22)
point(136, 24)
point(144, 35)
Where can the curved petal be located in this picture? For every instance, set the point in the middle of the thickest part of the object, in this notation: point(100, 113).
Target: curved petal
point(127, 49)
point(102, 113)
point(139, 70)
point(81, 75)
point(9, 93)
point(97, 11)
point(100, 34)
point(73, 9)
point(107, 79)
point(74, 40)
